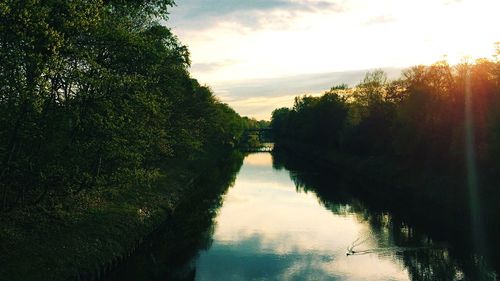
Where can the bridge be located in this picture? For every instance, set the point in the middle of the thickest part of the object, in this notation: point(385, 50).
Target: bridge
point(257, 140)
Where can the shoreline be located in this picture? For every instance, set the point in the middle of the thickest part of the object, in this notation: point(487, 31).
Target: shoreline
point(87, 244)
point(380, 184)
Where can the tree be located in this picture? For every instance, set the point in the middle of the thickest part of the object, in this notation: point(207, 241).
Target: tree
point(91, 92)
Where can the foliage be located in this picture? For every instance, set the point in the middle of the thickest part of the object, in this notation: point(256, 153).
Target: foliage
point(93, 90)
point(316, 120)
point(419, 121)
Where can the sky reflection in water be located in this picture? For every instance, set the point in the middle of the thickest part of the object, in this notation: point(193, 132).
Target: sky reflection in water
point(266, 230)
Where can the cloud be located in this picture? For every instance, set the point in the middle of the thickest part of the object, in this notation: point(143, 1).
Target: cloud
point(296, 84)
point(380, 20)
point(196, 8)
point(196, 14)
point(261, 107)
point(451, 2)
point(259, 97)
point(248, 256)
point(238, 46)
point(211, 66)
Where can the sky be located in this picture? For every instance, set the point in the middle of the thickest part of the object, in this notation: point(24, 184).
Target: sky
point(257, 55)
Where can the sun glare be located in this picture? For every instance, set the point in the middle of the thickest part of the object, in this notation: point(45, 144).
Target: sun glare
point(361, 35)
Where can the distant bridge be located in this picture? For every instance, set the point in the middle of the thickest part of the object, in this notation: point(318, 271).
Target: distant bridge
point(263, 134)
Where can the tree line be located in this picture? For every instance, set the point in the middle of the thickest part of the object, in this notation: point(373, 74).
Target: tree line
point(95, 92)
point(434, 120)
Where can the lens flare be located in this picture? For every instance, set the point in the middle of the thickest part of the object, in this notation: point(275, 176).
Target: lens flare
point(472, 178)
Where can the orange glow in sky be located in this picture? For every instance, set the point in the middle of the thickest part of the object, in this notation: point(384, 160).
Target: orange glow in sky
point(232, 41)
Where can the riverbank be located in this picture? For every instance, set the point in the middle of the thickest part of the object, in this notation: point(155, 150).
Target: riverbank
point(171, 253)
point(99, 227)
point(413, 195)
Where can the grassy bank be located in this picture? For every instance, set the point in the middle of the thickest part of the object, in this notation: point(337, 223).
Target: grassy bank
point(171, 252)
point(97, 226)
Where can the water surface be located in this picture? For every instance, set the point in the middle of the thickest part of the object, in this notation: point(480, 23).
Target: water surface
point(274, 223)
point(269, 230)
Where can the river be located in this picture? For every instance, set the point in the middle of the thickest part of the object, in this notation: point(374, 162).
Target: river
point(271, 224)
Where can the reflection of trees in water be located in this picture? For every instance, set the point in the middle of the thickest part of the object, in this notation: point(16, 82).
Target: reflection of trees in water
point(172, 253)
point(423, 258)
